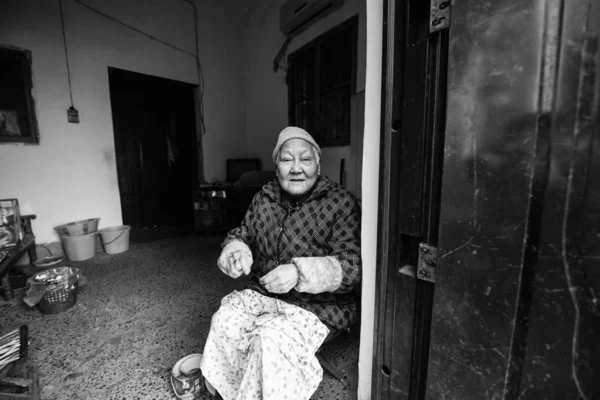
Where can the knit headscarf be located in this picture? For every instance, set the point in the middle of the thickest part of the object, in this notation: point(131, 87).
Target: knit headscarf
point(293, 132)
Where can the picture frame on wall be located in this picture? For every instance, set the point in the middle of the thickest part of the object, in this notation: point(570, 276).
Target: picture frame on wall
point(18, 123)
point(10, 223)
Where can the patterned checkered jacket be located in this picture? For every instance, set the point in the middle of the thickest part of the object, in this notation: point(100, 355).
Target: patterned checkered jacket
point(327, 223)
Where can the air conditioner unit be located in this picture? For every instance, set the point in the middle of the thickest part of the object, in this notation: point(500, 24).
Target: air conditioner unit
point(295, 15)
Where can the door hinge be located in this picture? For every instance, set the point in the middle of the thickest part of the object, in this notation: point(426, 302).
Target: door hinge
point(425, 269)
point(439, 15)
point(427, 262)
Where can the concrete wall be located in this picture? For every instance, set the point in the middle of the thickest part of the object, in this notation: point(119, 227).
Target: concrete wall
point(266, 91)
point(370, 190)
point(72, 173)
point(222, 58)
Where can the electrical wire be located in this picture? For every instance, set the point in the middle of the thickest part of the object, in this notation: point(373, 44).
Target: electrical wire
point(62, 19)
point(196, 55)
point(202, 126)
point(281, 53)
point(135, 29)
point(199, 71)
point(285, 64)
point(47, 249)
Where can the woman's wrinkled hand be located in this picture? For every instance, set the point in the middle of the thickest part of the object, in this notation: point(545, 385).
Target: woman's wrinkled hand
point(281, 280)
point(235, 260)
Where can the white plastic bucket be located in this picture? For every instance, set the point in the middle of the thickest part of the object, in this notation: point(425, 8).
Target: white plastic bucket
point(115, 239)
point(82, 227)
point(79, 248)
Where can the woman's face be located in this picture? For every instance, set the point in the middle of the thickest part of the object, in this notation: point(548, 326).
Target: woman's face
point(297, 167)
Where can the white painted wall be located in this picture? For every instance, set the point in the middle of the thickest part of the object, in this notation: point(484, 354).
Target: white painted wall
point(370, 191)
point(222, 58)
point(72, 173)
point(266, 91)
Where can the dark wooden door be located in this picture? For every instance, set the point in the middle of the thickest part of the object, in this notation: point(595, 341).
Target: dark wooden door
point(155, 144)
point(489, 243)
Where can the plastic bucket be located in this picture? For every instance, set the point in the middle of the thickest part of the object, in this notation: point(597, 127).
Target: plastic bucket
point(77, 228)
point(115, 239)
point(79, 248)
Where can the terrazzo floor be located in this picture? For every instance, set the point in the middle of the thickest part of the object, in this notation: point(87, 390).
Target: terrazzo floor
point(139, 313)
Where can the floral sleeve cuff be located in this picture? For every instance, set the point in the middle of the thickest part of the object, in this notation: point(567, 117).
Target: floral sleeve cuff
point(318, 274)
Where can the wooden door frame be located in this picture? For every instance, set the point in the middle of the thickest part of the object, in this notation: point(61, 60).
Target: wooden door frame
point(404, 38)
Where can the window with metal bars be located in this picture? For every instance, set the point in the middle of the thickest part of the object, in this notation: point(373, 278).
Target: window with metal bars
point(321, 80)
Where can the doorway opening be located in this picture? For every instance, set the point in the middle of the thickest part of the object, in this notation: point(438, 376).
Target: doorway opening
point(155, 146)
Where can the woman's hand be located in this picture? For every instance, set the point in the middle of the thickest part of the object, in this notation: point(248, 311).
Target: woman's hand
point(235, 260)
point(281, 280)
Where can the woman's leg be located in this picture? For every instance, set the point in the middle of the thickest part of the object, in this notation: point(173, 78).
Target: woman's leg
point(254, 341)
point(279, 366)
point(221, 360)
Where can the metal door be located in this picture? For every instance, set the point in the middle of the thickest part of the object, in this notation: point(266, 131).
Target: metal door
point(412, 154)
point(488, 259)
point(516, 312)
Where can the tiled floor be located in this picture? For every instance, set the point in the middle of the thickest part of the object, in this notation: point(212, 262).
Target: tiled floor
point(139, 313)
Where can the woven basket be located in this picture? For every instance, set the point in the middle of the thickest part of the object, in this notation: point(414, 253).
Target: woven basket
point(59, 300)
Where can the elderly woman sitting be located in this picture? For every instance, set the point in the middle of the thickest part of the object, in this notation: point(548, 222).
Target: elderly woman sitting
point(300, 245)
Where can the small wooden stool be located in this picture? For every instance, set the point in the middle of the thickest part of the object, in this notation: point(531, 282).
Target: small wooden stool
point(19, 380)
